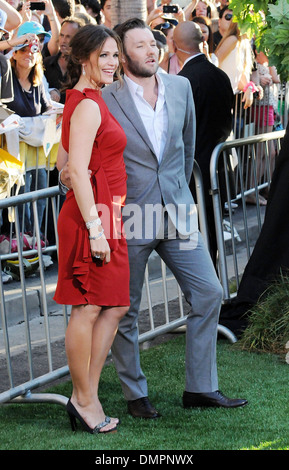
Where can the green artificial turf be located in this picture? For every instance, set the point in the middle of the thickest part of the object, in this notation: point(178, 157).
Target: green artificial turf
point(263, 424)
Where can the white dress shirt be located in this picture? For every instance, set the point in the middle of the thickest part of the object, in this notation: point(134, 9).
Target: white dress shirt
point(154, 120)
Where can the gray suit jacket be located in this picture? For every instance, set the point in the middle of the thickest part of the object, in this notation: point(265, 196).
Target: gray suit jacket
point(150, 184)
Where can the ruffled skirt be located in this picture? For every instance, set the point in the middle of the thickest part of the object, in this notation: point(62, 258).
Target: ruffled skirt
point(83, 279)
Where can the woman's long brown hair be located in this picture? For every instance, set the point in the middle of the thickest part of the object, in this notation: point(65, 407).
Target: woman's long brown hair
point(87, 39)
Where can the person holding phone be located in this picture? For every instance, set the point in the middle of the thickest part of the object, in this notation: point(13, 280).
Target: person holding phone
point(44, 14)
point(165, 13)
point(47, 9)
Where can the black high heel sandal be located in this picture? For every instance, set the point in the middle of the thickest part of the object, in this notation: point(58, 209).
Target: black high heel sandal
point(74, 415)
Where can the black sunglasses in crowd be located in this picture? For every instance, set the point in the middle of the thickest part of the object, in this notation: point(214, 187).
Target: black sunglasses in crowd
point(228, 16)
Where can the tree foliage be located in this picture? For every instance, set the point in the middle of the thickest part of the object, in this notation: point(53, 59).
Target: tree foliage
point(268, 22)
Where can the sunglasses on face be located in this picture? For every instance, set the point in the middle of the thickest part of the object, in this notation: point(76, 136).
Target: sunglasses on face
point(24, 49)
point(228, 16)
point(164, 26)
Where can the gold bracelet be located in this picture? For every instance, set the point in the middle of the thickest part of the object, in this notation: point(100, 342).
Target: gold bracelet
point(8, 43)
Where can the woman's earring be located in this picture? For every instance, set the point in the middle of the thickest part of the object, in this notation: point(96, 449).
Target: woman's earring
point(83, 70)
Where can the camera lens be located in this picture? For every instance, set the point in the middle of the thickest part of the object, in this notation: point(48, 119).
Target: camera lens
point(34, 48)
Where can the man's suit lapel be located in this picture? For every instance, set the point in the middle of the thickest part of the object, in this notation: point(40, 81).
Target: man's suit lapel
point(125, 101)
point(171, 111)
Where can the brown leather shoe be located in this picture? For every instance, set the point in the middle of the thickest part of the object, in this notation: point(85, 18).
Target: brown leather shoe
point(216, 399)
point(142, 408)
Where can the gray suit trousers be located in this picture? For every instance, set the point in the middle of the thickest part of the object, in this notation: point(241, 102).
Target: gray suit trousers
point(192, 267)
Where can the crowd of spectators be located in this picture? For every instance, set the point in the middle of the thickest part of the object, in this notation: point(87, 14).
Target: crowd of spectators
point(32, 79)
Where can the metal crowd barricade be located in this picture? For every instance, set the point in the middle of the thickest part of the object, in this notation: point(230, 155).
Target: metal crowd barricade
point(39, 161)
point(244, 152)
point(246, 122)
point(235, 217)
point(249, 163)
point(19, 391)
point(22, 392)
point(35, 161)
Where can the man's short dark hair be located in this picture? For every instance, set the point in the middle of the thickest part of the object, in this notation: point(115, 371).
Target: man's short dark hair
point(73, 20)
point(93, 4)
point(64, 7)
point(132, 23)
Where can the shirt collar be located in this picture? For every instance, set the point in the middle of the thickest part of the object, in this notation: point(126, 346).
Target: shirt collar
point(135, 88)
point(192, 57)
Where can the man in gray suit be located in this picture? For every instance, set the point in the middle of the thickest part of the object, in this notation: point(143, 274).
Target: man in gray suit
point(157, 114)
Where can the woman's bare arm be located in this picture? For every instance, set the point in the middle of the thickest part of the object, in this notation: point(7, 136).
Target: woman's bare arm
point(83, 130)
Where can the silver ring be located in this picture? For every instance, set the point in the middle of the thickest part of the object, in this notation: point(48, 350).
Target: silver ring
point(97, 256)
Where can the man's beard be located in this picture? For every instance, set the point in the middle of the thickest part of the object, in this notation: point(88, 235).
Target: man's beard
point(137, 70)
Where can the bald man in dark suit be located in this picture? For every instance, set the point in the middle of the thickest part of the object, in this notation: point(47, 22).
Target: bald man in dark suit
point(213, 97)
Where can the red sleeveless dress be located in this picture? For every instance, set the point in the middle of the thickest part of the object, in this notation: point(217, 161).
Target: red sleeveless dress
point(83, 279)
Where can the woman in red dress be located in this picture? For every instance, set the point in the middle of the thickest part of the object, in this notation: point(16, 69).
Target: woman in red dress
point(93, 274)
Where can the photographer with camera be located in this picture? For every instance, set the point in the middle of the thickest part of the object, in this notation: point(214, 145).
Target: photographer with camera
point(44, 13)
point(30, 101)
point(27, 69)
point(7, 40)
point(6, 44)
